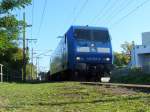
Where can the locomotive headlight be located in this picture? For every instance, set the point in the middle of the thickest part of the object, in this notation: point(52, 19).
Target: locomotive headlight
point(107, 59)
point(78, 58)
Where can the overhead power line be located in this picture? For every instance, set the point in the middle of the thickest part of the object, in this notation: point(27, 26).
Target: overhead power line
point(111, 10)
point(115, 9)
point(131, 12)
point(32, 18)
point(74, 9)
point(44, 53)
point(80, 11)
point(42, 16)
point(68, 19)
point(100, 12)
point(105, 12)
point(119, 11)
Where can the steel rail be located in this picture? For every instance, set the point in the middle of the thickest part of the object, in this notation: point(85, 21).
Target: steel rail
point(118, 85)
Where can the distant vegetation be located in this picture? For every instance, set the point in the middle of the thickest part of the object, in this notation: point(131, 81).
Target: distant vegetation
point(123, 73)
point(10, 30)
point(123, 58)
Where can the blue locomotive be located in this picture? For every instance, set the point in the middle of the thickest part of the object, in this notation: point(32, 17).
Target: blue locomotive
point(84, 52)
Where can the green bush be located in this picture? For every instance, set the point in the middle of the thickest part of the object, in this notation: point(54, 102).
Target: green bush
point(134, 75)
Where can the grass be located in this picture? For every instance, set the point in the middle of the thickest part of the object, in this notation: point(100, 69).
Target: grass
point(70, 97)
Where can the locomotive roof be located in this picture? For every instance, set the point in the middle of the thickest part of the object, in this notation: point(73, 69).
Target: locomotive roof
point(89, 27)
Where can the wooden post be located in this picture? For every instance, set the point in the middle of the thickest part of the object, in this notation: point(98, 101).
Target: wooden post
point(1, 72)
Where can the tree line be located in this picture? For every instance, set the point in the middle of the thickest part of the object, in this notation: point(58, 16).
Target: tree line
point(11, 55)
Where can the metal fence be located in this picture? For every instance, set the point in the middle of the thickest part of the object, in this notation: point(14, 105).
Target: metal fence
point(10, 75)
point(1, 72)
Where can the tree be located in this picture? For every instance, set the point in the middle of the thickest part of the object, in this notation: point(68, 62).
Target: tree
point(123, 58)
point(127, 47)
point(119, 59)
point(7, 5)
point(9, 25)
point(9, 31)
point(31, 71)
point(10, 28)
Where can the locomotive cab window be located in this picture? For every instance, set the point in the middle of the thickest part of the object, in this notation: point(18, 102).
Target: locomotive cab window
point(102, 36)
point(92, 35)
point(82, 34)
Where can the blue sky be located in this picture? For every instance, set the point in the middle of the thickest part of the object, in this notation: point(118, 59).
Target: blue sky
point(59, 15)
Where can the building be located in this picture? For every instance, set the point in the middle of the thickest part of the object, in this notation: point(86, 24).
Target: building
point(141, 53)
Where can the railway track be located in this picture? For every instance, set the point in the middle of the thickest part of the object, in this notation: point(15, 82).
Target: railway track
point(136, 86)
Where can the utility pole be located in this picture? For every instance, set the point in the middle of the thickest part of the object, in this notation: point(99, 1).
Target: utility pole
point(37, 66)
point(24, 48)
point(32, 64)
point(28, 40)
point(32, 70)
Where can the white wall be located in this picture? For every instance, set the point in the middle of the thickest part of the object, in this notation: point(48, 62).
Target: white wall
point(142, 49)
point(146, 38)
point(140, 54)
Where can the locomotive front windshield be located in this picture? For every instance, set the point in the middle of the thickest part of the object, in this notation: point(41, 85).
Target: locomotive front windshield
point(94, 35)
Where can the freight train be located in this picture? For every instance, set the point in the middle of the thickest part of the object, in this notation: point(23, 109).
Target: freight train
point(84, 53)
